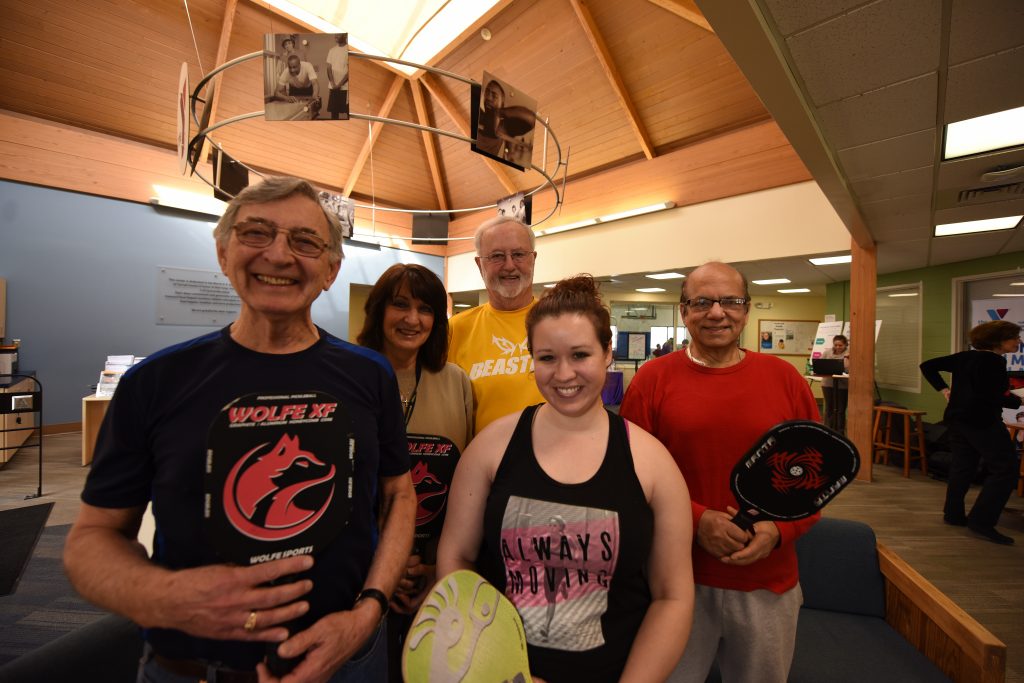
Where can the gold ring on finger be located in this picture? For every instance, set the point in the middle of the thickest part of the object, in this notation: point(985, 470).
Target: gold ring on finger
point(250, 622)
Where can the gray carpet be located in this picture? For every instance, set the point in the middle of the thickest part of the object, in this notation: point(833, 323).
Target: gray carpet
point(44, 606)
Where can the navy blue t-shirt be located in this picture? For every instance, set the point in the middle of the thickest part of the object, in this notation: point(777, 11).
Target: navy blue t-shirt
point(152, 446)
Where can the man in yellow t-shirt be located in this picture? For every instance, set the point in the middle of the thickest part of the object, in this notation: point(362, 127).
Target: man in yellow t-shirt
point(489, 341)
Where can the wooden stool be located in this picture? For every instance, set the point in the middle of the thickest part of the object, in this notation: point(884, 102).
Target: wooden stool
point(882, 436)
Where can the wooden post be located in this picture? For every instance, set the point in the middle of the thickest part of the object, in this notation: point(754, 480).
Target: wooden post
point(859, 411)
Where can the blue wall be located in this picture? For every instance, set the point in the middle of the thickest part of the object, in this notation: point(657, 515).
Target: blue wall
point(82, 275)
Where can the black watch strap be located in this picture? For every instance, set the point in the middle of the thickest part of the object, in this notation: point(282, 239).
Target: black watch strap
point(374, 594)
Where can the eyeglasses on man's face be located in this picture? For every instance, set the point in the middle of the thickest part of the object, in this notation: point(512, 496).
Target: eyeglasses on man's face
point(733, 304)
point(498, 258)
point(261, 234)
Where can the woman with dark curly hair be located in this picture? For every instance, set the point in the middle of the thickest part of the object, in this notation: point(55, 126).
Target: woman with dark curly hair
point(406, 320)
point(976, 432)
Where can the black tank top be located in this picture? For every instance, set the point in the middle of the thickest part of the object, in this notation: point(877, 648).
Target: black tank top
point(572, 558)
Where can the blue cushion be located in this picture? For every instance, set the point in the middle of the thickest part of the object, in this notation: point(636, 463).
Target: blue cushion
point(850, 648)
point(839, 568)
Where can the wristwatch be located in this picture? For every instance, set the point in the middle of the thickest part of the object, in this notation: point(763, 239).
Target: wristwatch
point(374, 594)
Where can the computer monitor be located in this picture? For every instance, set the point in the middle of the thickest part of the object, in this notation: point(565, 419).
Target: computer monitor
point(828, 366)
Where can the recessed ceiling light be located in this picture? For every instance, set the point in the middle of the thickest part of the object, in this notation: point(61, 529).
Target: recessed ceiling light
point(831, 260)
point(774, 281)
point(1008, 295)
point(985, 225)
point(664, 276)
point(904, 294)
point(984, 133)
point(649, 290)
point(798, 290)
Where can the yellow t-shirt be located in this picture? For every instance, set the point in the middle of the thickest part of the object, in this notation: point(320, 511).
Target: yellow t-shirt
point(490, 345)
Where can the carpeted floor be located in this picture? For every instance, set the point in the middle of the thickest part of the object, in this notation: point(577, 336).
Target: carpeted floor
point(44, 607)
point(19, 532)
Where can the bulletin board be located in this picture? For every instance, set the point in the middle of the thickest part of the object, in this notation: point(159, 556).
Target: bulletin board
point(786, 337)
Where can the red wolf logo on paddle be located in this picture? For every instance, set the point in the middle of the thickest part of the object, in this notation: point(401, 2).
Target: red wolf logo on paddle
point(427, 486)
point(267, 486)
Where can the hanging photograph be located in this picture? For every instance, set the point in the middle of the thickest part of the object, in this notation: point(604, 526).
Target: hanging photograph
point(517, 207)
point(305, 76)
point(503, 120)
point(343, 207)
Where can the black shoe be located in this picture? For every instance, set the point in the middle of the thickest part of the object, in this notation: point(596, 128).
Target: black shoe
point(991, 534)
point(955, 521)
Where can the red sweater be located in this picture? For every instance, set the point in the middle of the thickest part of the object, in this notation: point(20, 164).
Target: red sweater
point(708, 418)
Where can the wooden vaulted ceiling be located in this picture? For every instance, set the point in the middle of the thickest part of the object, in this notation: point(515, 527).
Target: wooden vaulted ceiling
point(619, 80)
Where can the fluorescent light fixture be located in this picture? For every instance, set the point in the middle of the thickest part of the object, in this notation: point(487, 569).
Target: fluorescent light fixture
point(984, 225)
point(1005, 295)
point(549, 286)
point(426, 28)
point(636, 212)
point(607, 218)
point(798, 290)
point(461, 306)
point(567, 226)
point(1017, 284)
point(904, 294)
point(672, 276)
point(187, 200)
point(649, 290)
point(984, 133)
point(831, 260)
point(774, 281)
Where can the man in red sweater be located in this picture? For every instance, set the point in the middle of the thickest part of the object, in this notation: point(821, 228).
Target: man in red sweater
point(708, 403)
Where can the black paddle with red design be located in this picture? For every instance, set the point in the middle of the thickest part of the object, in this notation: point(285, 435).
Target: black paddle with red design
point(793, 471)
point(278, 481)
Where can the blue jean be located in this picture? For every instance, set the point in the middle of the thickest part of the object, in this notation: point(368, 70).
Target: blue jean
point(368, 665)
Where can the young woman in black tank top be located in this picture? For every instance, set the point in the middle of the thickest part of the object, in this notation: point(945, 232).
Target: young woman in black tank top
point(581, 519)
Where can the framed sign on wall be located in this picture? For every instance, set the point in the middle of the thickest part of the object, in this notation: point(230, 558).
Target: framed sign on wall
point(786, 337)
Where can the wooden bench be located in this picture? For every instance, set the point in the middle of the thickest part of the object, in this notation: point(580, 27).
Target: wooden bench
point(883, 437)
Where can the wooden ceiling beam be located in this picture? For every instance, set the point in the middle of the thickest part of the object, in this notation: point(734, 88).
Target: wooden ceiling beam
point(612, 73)
point(685, 9)
point(375, 129)
point(428, 145)
point(222, 56)
point(452, 109)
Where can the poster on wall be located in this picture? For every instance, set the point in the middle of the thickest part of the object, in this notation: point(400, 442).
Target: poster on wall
point(786, 337)
point(987, 310)
point(823, 337)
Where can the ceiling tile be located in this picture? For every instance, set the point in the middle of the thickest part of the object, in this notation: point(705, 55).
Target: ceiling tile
point(898, 213)
point(966, 247)
point(916, 181)
point(881, 43)
point(983, 86)
point(889, 156)
point(983, 27)
point(880, 114)
point(791, 17)
point(905, 255)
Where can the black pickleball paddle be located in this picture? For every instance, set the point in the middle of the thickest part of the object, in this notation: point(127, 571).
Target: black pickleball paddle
point(278, 481)
point(793, 471)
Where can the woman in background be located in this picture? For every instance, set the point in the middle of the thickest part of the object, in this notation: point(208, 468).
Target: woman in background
point(580, 518)
point(406, 320)
point(976, 431)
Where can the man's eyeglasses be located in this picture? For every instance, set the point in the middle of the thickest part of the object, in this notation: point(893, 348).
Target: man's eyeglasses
point(260, 234)
point(728, 303)
point(498, 257)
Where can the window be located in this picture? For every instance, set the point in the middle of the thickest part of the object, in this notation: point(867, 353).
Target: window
point(898, 350)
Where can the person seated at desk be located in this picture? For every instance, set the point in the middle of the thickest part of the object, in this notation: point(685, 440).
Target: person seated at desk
point(835, 390)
